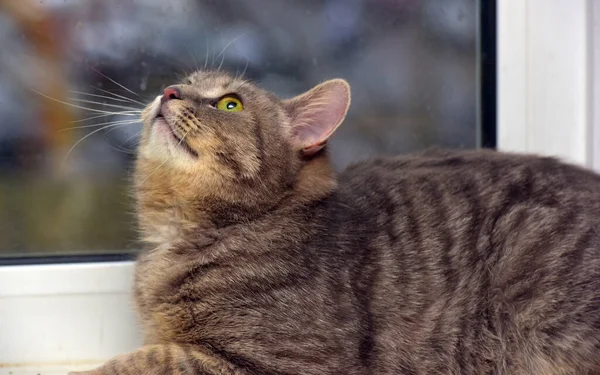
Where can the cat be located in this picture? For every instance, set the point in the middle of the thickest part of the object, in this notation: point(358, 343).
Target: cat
point(260, 259)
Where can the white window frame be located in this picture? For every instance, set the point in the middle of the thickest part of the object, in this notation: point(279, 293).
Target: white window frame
point(547, 54)
point(69, 316)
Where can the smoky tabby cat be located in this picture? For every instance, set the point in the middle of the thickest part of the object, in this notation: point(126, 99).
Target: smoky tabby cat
point(260, 260)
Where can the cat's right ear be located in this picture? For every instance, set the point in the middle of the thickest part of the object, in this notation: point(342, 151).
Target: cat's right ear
point(317, 113)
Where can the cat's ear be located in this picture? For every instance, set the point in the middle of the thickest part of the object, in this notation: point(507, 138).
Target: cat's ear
point(317, 113)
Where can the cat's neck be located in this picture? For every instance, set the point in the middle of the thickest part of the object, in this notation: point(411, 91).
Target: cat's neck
point(167, 216)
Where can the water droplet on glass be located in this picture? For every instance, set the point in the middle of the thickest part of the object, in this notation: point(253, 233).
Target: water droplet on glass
point(144, 83)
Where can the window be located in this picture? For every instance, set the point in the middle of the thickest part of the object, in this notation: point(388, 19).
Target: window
point(413, 67)
point(423, 73)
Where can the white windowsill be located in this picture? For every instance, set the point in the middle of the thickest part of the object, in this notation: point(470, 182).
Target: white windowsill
point(47, 369)
point(61, 316)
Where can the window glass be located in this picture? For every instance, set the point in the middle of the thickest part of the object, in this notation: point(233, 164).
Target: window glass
point(64, 170)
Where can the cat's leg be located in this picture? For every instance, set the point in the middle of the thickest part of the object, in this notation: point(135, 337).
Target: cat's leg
point(168, 359)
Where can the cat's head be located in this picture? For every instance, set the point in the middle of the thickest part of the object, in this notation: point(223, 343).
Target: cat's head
point(216, 138)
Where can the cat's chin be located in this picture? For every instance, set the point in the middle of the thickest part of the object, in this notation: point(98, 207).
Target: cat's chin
point(165, 134)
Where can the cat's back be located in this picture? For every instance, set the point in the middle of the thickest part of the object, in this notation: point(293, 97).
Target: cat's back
point(482, 167)
point(477, 249)
point(493, 179)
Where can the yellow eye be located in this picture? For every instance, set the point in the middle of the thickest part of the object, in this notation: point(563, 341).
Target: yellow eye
point(230, 104)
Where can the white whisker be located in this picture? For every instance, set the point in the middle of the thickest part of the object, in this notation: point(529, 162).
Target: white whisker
point(206, 56)
point(221, 63)
point(193, 58)
point(245, 68)
point(115, 82)
point(224, 48)
point(122, 149)
point(88, 135)
point(243, 82)
point(124, 122)
point(99, 96)
point(119, 96)
point(75, 106)
point(228, 44)
point(135, 135)
point(124, 113)
point(154, 171)
point(119, 148)
point(107, 104)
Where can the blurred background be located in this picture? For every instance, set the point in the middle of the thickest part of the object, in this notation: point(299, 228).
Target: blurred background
point(412, 65)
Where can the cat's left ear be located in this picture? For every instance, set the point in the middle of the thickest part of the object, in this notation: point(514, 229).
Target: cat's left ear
point(317, 113)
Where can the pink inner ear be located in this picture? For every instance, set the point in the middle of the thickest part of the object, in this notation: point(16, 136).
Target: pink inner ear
point(317, 113)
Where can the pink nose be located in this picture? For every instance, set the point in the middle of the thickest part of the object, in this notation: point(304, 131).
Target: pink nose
point(171, 92)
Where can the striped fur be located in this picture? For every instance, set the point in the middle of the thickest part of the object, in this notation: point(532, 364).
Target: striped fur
point(262, 261)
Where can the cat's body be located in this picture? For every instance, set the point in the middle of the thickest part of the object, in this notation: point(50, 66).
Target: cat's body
point(444, 262)
point(465, 263)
